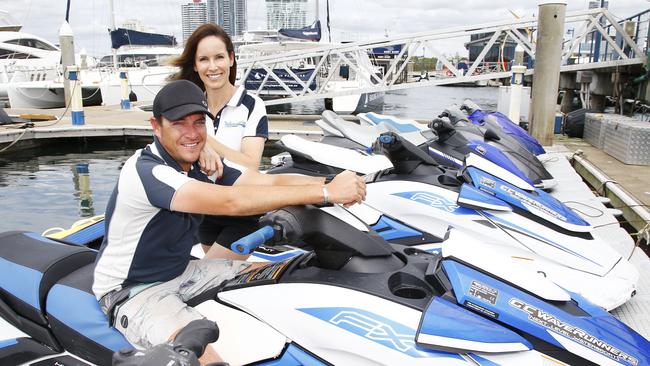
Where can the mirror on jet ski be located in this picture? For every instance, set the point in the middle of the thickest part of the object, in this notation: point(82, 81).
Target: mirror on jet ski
point(491, 135)
point(443, 128)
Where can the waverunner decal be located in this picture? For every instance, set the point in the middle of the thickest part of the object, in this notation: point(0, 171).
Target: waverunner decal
point(531, 202)
point(596, 337)
point(436, 201)
point(508, 225)
point(376, 328)
point(552, 323)
point(447, 157)
point(537, 202)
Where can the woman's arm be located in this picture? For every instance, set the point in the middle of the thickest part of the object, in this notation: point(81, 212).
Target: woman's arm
point(250, 156)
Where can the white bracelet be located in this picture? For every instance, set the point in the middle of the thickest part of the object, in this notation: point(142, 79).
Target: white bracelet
point(326, 196)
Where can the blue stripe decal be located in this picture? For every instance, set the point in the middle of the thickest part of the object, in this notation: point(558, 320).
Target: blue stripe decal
point(501, 222)
point(436, 201)
point(390, 229)
point(80, 311)
point(376, 328)
point(482, 361)
point(20, 281)
point(401, 127)
point(8, 342)
point(294, 356)
point(447, 157)
point(41, 238)
point(87, 234)
point(278, 257)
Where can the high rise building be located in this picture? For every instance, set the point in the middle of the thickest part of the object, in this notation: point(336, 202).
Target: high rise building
point(286, 14)
point(229, 14)
point(192, 16)
point(213, 17)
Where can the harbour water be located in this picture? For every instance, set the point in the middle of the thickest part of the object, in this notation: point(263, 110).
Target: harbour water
point(59, 184)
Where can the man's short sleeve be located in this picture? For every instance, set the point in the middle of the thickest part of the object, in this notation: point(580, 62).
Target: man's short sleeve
point(160, 182)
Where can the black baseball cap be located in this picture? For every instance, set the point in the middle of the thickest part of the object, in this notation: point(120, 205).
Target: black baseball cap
point(178, 99)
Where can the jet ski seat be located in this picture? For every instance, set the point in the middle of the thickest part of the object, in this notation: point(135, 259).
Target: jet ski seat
point(78, 322)
point(45, 291)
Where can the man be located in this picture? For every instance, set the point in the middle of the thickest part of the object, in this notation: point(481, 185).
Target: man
point(143, 273)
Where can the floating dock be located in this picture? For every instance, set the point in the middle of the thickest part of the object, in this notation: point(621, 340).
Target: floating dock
point(101, 121)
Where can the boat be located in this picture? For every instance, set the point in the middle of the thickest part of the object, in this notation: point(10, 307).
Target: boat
point(33, 57)
point(142, 57)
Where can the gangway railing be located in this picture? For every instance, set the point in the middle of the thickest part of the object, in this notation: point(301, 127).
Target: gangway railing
point(622, 49)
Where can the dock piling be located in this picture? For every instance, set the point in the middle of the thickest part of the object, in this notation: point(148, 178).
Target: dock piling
point(125, 102)
point(548, 57)
point(66, 40)
point(76, 106)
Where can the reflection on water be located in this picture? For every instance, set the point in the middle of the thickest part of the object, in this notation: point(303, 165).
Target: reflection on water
point(62, 185)
point(58, 185)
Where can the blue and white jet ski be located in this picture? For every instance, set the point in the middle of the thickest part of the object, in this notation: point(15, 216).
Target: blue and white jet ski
point(412, 200)
point(457, 137)
point(350, 298)
point(501, 123)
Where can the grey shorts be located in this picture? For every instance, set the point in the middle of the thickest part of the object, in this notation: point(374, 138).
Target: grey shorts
point(152, 315)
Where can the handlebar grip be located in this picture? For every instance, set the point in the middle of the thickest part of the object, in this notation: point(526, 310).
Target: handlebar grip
point(253, 240)
point(386, 139)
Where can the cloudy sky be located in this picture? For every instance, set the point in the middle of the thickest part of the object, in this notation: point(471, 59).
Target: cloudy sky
point(351, 19)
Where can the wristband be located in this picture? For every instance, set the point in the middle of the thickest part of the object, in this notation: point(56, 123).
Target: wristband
point(326, 196)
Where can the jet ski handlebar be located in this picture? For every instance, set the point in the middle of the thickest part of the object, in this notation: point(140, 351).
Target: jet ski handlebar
point(185, 350)
point(311, 226)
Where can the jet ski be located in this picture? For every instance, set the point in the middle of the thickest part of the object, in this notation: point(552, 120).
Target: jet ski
point(457, 136)
point(351, 298)
point(500, 122)
point(411, 199)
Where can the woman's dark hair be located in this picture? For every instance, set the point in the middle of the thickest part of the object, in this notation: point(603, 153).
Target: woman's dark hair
point(186, 60)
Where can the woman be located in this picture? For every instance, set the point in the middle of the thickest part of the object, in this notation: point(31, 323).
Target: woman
point(240, 128)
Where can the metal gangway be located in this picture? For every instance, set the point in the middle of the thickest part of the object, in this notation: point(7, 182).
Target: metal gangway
point(618, 48)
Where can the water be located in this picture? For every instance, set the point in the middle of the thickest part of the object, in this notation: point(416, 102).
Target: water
point(44, 189)
point(49, 187)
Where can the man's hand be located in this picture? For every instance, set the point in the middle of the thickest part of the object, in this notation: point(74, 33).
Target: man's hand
point(346, 188)
point(210, 161)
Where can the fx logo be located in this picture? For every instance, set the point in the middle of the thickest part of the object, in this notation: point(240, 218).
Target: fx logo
point(430, 199)
point(375, 328)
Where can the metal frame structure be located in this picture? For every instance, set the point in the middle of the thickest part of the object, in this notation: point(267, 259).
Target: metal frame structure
point(592, 22)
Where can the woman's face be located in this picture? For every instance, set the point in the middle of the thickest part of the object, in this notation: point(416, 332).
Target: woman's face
point(212, 62)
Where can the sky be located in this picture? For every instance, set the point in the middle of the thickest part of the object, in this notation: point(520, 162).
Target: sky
point(349, 19)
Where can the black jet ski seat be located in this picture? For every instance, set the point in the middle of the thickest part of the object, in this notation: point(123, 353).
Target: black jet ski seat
point(46, 292)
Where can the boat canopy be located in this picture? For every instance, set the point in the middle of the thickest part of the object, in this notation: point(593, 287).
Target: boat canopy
point(121, 37)
point(310, 33)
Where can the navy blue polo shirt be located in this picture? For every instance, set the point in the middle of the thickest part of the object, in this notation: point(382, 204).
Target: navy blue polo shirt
point(145, 241)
